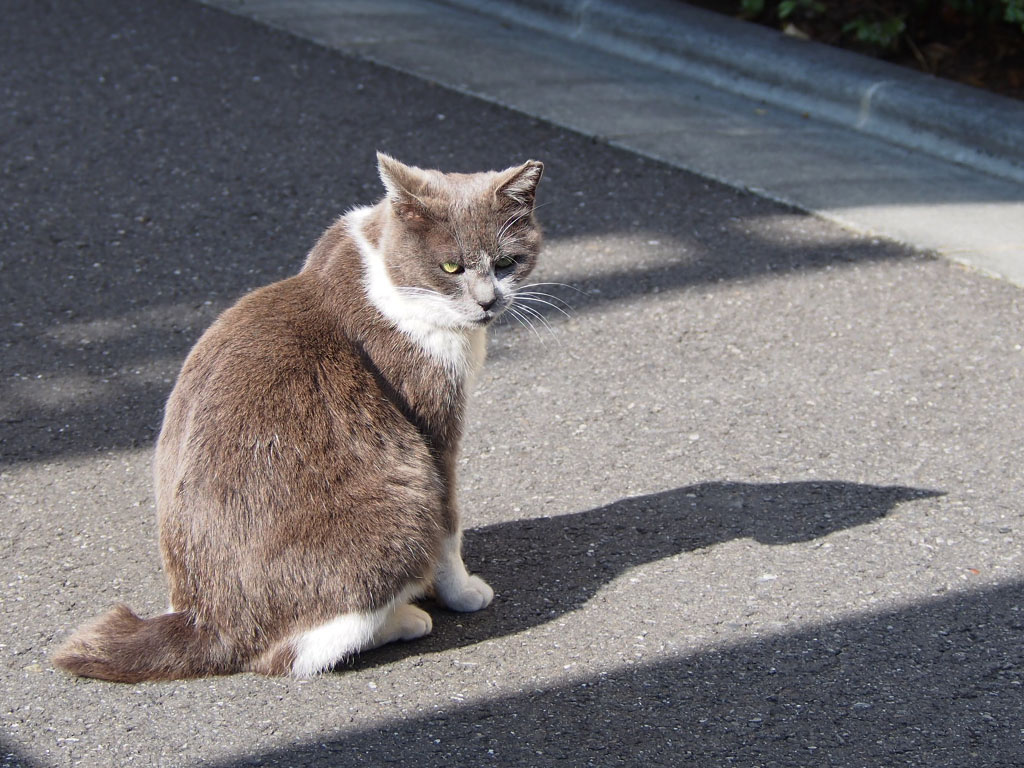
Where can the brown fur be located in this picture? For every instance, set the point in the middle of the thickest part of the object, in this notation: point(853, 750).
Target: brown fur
point(305, 468)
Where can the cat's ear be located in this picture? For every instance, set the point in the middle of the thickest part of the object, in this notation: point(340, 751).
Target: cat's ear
point(519, 185)
point(405, 186)
point(399, 179)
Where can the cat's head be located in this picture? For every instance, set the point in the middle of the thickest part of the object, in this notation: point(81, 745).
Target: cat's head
point(459, 245)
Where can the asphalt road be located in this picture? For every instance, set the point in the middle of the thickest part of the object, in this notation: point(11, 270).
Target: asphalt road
point(756, 501)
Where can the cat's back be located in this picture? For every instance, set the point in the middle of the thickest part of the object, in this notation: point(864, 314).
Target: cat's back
point(269, 338)
point(276, 368)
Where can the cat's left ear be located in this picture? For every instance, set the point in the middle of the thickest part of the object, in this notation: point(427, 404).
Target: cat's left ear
point(519, 185)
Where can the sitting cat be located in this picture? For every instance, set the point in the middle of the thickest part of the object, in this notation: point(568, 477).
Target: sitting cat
point(305, 471)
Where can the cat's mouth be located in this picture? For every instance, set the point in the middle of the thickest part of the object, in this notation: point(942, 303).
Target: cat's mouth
point(488, 316)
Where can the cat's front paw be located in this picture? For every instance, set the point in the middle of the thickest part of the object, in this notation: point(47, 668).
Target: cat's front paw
point(471, 595)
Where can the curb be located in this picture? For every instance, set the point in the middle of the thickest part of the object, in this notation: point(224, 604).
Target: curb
point(913, 110)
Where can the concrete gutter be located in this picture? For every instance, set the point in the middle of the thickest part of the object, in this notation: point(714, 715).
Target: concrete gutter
point(975, 128)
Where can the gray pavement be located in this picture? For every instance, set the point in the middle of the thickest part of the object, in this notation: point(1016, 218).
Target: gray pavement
point(859, 142)
point(756, 501)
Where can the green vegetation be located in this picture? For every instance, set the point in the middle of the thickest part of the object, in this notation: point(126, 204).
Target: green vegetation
point(880, 24)
point(978, 42)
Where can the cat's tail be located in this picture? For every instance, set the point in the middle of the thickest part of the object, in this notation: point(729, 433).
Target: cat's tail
point(120, 646)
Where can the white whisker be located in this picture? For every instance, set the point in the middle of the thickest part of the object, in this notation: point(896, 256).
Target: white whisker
point(560, 285)
point(537, 315)
point(530, 312)
point(528, 297)
point(524, 321)
point(512, 313)
point(512, 220)
point(415, 290)
point(432, 298)
point(552, 296)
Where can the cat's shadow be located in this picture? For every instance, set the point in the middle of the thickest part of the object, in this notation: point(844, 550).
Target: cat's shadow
point(544, 568)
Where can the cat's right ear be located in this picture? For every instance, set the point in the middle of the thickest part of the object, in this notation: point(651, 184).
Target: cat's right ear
point(518, 186)
point(404, 186)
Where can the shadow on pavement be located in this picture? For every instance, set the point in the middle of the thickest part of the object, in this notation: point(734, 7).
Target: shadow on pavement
point(932, 684)
point(543, 568)
point(11, 758)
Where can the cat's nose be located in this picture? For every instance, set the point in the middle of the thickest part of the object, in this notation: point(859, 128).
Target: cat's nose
point(484, 295)
point(483, 291)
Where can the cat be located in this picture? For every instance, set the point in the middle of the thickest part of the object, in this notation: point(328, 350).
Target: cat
point(305, 470)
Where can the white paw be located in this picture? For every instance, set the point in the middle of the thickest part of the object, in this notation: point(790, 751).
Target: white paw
point(411, 622)
point(471, 595)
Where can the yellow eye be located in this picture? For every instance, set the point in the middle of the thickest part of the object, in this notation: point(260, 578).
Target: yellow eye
point(504, 262)
point(451, 267)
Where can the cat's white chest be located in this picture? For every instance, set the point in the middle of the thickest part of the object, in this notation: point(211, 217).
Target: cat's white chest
point(460, 352)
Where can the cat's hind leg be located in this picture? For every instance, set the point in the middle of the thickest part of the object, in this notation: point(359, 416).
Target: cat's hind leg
point(320, 648)
point(457, 589)
point(406, 622)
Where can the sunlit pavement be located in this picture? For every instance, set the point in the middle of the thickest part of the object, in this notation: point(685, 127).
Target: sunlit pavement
point(754, 501)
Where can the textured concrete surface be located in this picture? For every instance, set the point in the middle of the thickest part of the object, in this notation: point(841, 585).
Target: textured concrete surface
point(952, 121)
point(728, 100)
point(755, 501)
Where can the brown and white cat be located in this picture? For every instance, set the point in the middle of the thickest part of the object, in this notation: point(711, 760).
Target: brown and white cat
point(305, 472)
